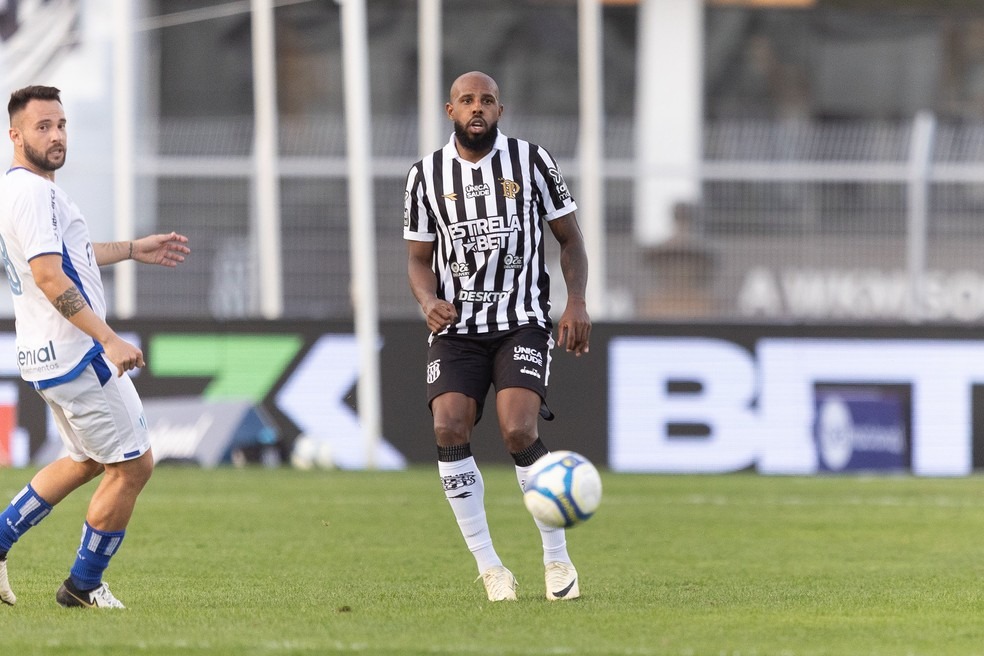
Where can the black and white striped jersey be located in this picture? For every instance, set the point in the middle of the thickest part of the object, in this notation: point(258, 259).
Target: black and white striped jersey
point(486, 220)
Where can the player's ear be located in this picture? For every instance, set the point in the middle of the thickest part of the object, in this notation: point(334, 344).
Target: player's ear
point(449, 108)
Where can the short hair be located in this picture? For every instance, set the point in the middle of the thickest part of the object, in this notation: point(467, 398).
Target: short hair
point(20, 98)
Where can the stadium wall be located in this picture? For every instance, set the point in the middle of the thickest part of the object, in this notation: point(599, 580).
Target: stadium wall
point(684, 398)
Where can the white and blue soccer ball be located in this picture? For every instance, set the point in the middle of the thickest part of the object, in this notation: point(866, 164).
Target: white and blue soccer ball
point(563, 489)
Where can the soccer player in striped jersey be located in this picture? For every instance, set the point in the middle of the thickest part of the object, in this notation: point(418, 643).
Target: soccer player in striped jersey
point(69, 354)
point(474, 220)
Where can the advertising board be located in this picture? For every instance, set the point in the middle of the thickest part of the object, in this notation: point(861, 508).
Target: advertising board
point(648, 398)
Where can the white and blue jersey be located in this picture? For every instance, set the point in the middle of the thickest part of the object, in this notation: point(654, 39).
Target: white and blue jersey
point(37, 218)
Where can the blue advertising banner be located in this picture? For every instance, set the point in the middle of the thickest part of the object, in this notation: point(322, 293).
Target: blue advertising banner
point(861, 428)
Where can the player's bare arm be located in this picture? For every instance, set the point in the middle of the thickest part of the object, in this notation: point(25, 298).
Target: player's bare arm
point(423, 283)
point(574, 327)
point(68, 300)
point(167, 249)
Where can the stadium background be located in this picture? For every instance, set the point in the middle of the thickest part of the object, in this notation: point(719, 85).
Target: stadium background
point(832, 190)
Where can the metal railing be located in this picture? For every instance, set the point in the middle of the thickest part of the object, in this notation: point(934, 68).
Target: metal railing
point(797, 222)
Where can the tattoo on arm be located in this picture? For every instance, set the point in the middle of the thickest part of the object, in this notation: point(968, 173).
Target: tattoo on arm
point(70, 302)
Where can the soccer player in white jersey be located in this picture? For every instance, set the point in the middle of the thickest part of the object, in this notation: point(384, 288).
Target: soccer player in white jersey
point(66, 350)
point(473, 220)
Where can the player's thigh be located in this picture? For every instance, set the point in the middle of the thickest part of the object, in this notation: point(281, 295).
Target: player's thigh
point(70, 440)
point(99, 418)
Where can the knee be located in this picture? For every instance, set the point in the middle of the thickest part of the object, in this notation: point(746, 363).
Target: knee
point(519, 436)
point(133, 474)
point(451, 432)
point(143, 469)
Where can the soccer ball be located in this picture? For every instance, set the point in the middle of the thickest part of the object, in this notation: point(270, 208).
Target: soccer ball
point(563, 489)
point(310, 452)
point(304, 452)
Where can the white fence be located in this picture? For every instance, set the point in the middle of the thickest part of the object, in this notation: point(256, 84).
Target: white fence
point(797, 222)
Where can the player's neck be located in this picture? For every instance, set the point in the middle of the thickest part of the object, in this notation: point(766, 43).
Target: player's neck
point(20, 163)
point(469, 155)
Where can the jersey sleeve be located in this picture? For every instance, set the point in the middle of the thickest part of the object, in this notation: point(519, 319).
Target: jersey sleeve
point(556, 195)
point(34, 221)
point(417, 218)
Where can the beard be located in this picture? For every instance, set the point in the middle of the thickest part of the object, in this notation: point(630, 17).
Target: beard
point(42, 161)
point(480, 143)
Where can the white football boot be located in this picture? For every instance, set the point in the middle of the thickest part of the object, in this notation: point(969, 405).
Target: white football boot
point(7, 595)
point(561, 579)
point(500, 584)
point(69, 597)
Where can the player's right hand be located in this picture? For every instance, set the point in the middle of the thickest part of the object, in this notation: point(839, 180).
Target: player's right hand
point(440, 314)
point(124, 355)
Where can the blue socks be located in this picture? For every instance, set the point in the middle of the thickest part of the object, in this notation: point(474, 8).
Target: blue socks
point(96, 549)
point(25, 511)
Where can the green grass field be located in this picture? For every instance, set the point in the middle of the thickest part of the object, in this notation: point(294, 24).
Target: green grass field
point(255, 561)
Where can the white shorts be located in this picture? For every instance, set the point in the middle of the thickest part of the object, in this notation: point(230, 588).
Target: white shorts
point(102, 422)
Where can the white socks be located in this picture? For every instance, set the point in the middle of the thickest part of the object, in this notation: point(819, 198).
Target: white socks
point(465, 491)
point(554, 539)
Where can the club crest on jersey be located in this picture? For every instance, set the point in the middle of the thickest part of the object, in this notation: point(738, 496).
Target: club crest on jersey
point(433, 371)
point(509, 188)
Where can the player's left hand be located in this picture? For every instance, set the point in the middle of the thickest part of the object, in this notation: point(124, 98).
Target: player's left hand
point(574, 329)
point(167, 250)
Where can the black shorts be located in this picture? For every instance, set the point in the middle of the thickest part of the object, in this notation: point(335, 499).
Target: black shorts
point(470, 364)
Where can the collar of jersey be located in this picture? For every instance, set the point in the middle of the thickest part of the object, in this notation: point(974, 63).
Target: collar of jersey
point(451, 150)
